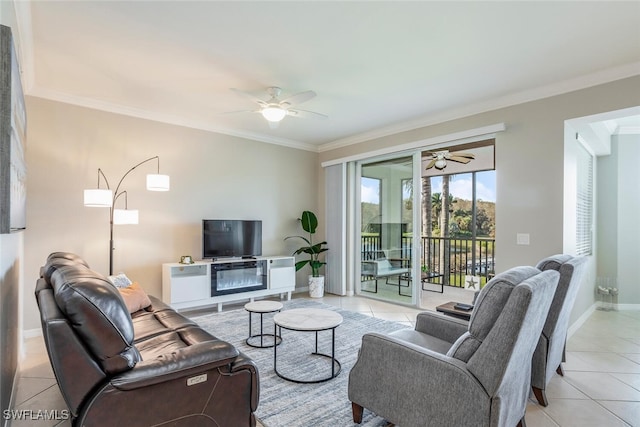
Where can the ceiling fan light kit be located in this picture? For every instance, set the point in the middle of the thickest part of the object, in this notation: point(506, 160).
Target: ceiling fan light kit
point(441, 164)
point(273, 113)
point(274, 109)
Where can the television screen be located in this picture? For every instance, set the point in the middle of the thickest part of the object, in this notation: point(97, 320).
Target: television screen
point(231, 238)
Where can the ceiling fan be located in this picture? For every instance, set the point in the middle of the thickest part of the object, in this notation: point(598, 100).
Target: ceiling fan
point(275, 109)
point(440, 158)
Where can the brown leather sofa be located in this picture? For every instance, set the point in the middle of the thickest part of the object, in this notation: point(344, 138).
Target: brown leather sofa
point(148, 368)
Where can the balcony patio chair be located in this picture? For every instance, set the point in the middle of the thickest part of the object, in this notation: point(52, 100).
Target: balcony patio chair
point(383, 267)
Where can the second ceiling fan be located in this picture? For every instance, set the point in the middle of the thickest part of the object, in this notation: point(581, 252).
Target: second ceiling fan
point(439, 158)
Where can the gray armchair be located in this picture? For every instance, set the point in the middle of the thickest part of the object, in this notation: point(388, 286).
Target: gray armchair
point(550, 352)
point(447, 373)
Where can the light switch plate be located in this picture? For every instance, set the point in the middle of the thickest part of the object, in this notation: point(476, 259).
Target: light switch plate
point(522, 238)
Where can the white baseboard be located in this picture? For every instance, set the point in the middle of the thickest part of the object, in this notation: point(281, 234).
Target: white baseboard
point(580, 321)
point(628, 307)
point(305, 289)
point(31, 333)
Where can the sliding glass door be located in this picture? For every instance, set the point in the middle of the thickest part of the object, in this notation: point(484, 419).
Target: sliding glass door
point(458, 230)
point(458, 216)
point(386, 229)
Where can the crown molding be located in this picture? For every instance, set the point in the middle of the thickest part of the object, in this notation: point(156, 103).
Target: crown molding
point(559, 88)
point(39, 92)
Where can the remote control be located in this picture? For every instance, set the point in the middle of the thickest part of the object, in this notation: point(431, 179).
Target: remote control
point(462, 306)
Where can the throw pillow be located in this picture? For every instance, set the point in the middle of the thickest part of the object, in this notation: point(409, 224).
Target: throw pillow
point(135, 298)
point(120, 280)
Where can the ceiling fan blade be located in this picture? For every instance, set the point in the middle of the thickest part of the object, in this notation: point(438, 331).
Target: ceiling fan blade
point(469, 155)
point(431, 164)
point(459, 159)
point(249, 96)
point(306, 114)
point(298, 98)
point(239, 111)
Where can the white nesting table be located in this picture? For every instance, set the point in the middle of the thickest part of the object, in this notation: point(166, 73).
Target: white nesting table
point(309, 320)
point(262, 307)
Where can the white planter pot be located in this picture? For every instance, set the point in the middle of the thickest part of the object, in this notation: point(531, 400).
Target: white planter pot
point(316, 286)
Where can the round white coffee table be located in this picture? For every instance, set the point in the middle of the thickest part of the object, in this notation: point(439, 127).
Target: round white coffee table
point(309, 320)
point(262, 307)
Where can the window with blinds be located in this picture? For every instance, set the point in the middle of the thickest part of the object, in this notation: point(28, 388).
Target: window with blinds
point(584, 200)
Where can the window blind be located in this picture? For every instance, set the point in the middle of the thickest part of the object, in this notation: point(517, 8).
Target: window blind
point(584, 200)
point(335, 178)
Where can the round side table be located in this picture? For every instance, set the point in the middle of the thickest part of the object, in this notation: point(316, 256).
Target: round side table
point(262, 307)
point(309, 320)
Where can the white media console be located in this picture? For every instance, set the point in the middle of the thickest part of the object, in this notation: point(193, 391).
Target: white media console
point(206, 283)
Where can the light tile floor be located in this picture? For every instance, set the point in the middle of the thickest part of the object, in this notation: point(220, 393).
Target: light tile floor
point(601, 386)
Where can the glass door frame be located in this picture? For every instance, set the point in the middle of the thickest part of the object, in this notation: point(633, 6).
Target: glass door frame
point(416, 214)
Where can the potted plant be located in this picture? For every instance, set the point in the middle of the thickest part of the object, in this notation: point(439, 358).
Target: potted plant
point(309, 223)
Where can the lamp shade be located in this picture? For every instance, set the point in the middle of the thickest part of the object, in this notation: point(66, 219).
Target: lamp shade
point(441, 163)
point(273, 114)
point(98, 198)
point(156, 182)
point(125, 216)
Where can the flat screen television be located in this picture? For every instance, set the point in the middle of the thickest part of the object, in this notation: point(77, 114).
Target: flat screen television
point(231, 238)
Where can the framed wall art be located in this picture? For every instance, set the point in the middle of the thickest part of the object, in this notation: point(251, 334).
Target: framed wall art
point(13, 125)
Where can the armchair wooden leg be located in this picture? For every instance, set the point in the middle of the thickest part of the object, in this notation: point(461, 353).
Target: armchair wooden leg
point(560, 371)
point(357, 412)
point(540, 396)
point(522, 423)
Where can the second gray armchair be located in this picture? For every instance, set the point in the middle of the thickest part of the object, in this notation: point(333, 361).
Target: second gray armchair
point(447, 373)
point(550, 352)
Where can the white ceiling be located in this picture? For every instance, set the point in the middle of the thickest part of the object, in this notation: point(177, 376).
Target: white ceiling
point(377, 67)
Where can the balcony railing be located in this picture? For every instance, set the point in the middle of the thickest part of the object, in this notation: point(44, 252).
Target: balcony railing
point(457, 256)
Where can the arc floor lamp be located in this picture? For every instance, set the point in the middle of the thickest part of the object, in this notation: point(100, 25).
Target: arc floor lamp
point(105, 198)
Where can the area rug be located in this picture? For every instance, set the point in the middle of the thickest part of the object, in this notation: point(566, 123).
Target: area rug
point(287, 404)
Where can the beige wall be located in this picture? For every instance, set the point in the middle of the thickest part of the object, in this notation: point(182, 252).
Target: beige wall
point(529, 165)
point(212, 176)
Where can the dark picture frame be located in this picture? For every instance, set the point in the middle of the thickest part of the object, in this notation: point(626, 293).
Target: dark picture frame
point(13, 126)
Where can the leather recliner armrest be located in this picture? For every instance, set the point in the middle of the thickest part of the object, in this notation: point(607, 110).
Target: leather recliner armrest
point(177, 364)
point(241, 363)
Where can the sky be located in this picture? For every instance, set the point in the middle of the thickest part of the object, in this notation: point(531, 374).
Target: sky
point(460, 187)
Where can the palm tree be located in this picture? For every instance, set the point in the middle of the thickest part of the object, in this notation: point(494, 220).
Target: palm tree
point(427, 206)
point(436, 203)
point(444, 229)
point(427, 225)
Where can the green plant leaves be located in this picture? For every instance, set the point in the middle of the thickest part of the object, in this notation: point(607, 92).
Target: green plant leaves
point(309, 222)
